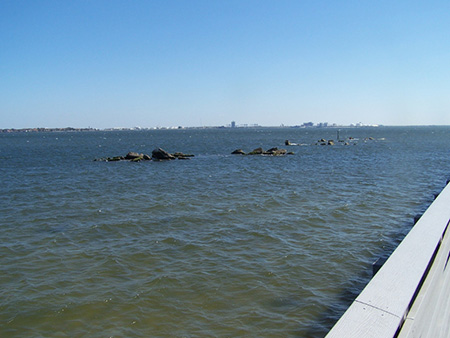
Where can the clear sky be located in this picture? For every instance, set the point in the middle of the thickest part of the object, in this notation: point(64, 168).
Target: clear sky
point(110, 63)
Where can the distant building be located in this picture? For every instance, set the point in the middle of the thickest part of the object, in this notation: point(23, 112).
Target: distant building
point(233, 124)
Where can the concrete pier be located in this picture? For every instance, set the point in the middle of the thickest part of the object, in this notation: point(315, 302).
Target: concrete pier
point(410, 295)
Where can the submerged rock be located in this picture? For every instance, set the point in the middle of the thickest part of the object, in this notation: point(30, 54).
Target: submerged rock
point(324, 142)
point(182, 156)
point(115, 158)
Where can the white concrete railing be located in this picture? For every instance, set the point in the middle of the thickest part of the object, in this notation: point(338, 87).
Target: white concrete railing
point(410, 295)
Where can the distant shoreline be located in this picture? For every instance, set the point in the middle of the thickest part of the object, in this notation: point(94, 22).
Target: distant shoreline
point(318, 126)
point(37, 130)
point(71, 129)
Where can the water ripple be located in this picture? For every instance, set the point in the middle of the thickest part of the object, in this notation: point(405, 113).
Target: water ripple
point(218, 246)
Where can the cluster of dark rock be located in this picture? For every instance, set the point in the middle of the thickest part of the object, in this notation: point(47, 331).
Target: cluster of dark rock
point(260, 151)
point(346, 142)
point(157, 155)
point(325, 142)
point(162, 155)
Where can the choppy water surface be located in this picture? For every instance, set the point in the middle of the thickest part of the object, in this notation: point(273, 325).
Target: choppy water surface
point(217, 246)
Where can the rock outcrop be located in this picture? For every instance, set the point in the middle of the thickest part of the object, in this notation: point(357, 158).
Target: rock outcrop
point(132, 156)
point(160, 155)
point(275, 152)
point(157, 155)
point(182, 156)
point(257, 151)
point(238, 152)
point(260, 151)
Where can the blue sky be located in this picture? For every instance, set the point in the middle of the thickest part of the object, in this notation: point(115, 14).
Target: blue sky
point(109, 63)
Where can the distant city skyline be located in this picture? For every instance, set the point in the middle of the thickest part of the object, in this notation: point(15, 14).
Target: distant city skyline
point(231, 125)
point(106, 64)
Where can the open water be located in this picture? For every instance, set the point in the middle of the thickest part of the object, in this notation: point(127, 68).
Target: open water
point(219, 245)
